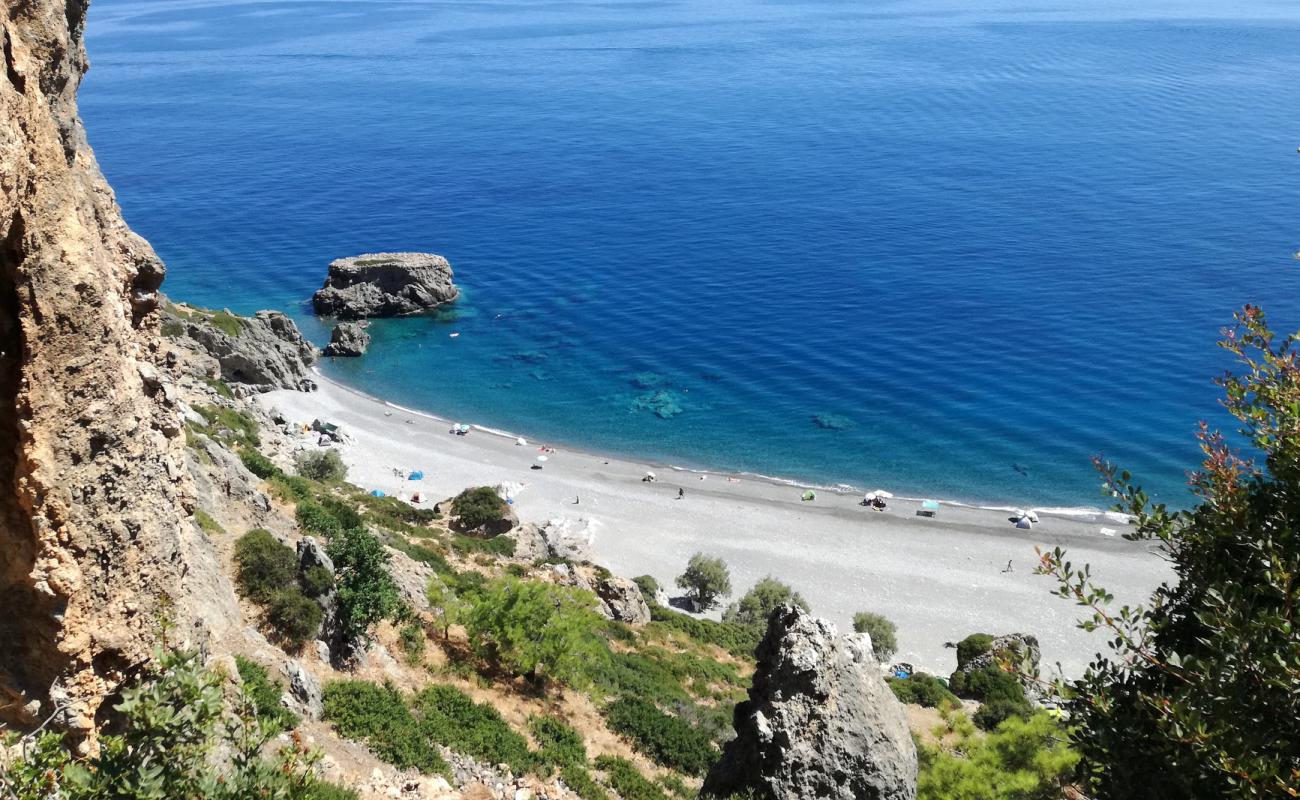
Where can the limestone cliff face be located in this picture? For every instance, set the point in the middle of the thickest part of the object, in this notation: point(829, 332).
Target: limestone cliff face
point(93, 510)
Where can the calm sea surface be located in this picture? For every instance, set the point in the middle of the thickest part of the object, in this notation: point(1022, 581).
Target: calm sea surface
point(951, 248)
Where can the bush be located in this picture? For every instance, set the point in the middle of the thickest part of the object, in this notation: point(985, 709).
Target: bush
point(499, 545)
point(537, 630)
point(578, 779)
point(448, 716)
point(316, 581)
point(321, 465)
point(313, 518)
point(229, 423)
point(343, 512)
point(922, 689)
point(992, 713)
point(705, 580)
point(973, 646)
point(987, 683)
point(884, 634)
point(648, 585)
point(291, 488)
point(294, 615)
point(265, 565)
point(759, 603)
point(329, 791)
point(366, 592)
point(258, 464)
point(667, 740)
point(627, 781)
point(557, 743)
point(264, 694)
point(1022, 759)
point(206, 522)
point(413, 643)
point(378, 716)
point(739, 640)
point(478, 507)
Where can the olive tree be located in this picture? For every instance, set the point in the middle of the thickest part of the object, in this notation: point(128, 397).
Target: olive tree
point(705, 580)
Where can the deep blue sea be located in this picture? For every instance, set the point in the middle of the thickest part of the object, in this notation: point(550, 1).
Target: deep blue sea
point(952, 248)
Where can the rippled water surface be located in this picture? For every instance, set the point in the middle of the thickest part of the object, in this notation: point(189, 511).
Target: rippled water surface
point(952, 248)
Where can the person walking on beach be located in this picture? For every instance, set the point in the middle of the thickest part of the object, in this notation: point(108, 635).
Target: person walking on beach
point(575, 499)
point(681, 493)
point(1008, 569)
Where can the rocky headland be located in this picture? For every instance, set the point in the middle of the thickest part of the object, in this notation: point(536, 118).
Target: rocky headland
point(385, 285)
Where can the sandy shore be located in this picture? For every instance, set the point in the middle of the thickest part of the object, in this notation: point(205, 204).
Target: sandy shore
point(938, 579)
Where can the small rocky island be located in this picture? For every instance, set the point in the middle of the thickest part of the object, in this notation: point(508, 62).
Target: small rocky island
point(385, 285)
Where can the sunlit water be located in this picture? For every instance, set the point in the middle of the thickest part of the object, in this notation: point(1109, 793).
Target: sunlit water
point(950, 248)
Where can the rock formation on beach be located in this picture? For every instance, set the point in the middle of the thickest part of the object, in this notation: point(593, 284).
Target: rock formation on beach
point(95, 533)
point(347, 339)
point(819, 722)
point(385, 285)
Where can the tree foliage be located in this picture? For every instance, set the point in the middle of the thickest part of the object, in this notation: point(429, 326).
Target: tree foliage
point(758, 603)
point(366, 592)
point(883, 633)
point(706, 579)
point(1199, 692)
point(478, 506)
point(321, 465)
point(1023, 759)
point(538, 630)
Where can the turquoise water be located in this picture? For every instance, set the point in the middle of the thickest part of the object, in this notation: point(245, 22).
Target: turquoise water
point(948, 248)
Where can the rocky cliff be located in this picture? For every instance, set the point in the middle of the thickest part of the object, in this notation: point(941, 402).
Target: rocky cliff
point(94, 530)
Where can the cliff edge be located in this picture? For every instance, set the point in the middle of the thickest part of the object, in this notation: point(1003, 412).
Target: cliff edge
point(94, 528)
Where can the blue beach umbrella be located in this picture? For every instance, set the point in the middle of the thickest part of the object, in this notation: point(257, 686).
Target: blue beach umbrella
point(376, 493)
point(416, 476)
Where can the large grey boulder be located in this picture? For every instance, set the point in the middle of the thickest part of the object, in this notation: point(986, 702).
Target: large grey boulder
point(621, 600)
point(305, 690)
point(347, 339)
point(265, 352)
point(819, 721)
point(385, 285)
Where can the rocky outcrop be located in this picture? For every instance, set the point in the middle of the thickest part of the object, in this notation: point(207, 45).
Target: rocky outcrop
point(348, 339)
point(256, 354)
point(620, 599)
point(95, 531)
point(1017, 652)
point(385, 285)
point(819, 721)
point(305, 690)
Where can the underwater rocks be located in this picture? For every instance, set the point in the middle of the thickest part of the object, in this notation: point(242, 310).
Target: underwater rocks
point(348, 339)
point(832, 422)
point(385, 285)
point(663, 403)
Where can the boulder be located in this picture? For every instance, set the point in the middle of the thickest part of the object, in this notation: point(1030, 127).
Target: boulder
point(1017, 651)
point(819, 721)
point(385, 285)
point(621, 600)
point(348, 339)
point(569, 538)
point(267, 351)
point(530, 545)
point(305, 690)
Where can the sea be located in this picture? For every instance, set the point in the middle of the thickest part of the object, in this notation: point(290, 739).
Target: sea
point(948, 248)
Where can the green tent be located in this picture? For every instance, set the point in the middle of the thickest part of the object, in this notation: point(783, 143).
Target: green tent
point(810, 495)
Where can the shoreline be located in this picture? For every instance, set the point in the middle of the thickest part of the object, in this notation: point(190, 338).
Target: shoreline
point(939, 579)
point(845, 489)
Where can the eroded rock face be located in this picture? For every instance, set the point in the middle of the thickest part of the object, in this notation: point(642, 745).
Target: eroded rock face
point(819, 721)
point(347, 339)
point(266, 353)
point(385, 285)
point(94, 513)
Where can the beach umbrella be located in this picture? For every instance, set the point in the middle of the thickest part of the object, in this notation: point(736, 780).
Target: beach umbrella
point(542, 459)
point(1018, 513)
point(464, 428)
point(415, 476)
point(376, 493)
point(1031, 515)
point(650, 474)
point(520, 442)
point(930, 505)
point(883, 493)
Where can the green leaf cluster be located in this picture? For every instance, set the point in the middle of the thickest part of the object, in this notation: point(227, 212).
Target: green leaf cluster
point(705, 580)
point(883, 633)
point(760, 601)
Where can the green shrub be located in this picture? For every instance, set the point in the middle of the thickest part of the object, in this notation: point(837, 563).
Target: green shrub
point(316, 581)
point(667, 740)
point(220, 387)
point(314, 518)
point(258, 464)
point(329, 791)
point(422, 553)
point(240, 425)
point(294, 615)
point(173, 329)
point(264, 694)
point(739, 640)
point(206, 522)
point(648, 585)
point(538, 630)
point(883, 633)
point(291, 488)
point(557, 743)
point(265, 565)
point(759, 603)
point(413, 642)
point(987, 683)
point(395, 515)
point(501, 545)
point(578, 779)
point(921, 689)
point(321, 465)
point(1022, 759)
point(992, 713)
point(378, 716)
point(227, 323)
point(706, 579)
point(973, 646)
point(366, 592)
point(478, 507)
point(447, 715)
point(343, 512)
point(627, 780)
